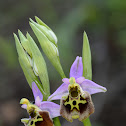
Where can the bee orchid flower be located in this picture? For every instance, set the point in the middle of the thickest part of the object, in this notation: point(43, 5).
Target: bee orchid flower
point(75, 94)
point(42, 112)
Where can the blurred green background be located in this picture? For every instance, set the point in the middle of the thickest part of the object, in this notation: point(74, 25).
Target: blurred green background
point(105, 24)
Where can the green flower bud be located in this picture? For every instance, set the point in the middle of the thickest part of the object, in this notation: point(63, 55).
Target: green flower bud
point(24, 60)
point(48, 43)
point(32, 63)
point(46, 30)
point(24, 43)
point(39, 65)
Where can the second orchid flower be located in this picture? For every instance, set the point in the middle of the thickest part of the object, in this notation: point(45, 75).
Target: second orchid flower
point(41, 113)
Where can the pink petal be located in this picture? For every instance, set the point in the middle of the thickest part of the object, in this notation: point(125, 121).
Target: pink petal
point(66, 80)
point(24, 106)
point(91, 87)
point(59, 92)
point(76, 69)
point(38, 101)
point(80, 80)
point(52, 108)
point(36, 91)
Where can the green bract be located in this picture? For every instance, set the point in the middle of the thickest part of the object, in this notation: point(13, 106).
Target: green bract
point(32, 63)
point(86, 58)
point(48, 42)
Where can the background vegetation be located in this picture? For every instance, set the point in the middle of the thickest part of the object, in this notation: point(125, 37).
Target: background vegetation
point(105, 23)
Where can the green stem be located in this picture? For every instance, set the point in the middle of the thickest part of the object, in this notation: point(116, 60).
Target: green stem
point(56, 121)
point(60, 70)
point(87, 122)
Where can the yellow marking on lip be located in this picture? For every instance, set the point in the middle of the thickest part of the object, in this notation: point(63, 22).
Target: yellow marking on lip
point(75, 116)
point(70, 102)
point(74, 95)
